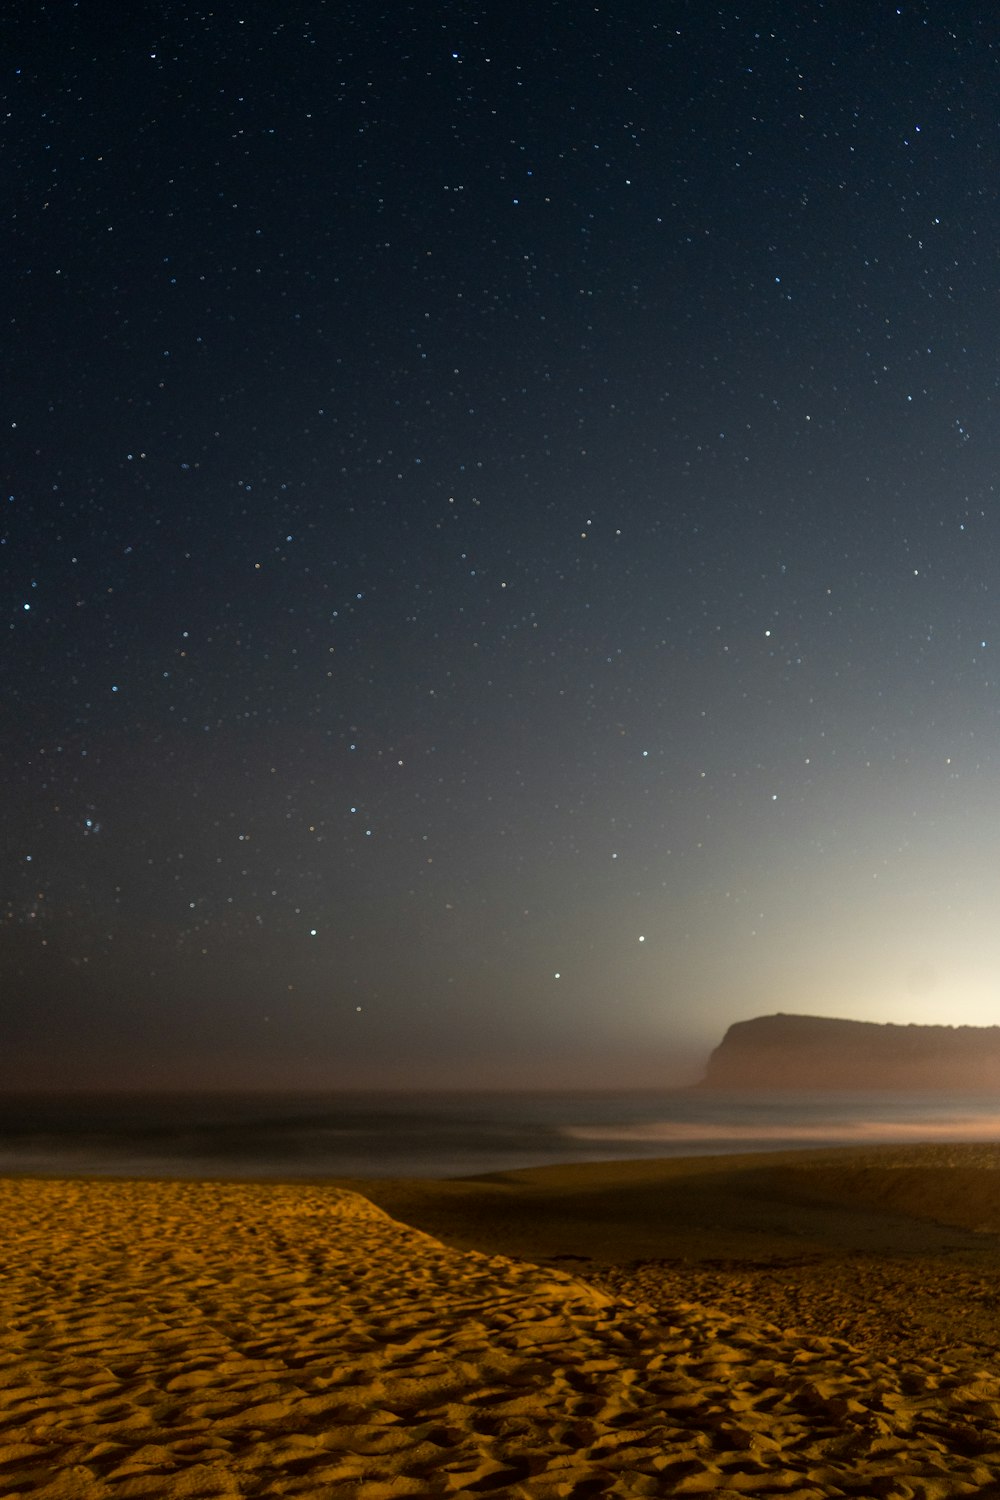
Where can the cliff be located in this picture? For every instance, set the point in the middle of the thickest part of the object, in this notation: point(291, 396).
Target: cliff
point(817, 1052)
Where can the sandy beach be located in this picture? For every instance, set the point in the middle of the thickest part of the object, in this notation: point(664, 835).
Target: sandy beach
point(812, 1324)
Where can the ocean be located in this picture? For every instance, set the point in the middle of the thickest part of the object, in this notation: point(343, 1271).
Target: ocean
point(364, 1135)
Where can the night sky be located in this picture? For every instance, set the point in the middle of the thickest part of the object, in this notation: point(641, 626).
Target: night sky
point(501, 546)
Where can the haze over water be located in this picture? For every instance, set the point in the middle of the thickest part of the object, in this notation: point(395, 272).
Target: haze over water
point(283, 1136)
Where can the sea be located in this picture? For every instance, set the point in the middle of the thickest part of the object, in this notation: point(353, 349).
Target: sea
point(288, 1137)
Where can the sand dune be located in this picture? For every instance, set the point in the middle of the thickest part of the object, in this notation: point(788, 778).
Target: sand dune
point(202, 1339)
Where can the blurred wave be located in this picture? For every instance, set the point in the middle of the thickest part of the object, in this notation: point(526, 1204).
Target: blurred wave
point(363, 1135)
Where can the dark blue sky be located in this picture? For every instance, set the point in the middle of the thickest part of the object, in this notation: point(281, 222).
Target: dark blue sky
point(500, 535)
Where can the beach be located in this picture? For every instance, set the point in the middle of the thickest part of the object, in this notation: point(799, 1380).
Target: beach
point(804, 1324)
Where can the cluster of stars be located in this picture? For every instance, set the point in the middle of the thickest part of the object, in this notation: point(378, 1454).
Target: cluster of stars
point(524, 502)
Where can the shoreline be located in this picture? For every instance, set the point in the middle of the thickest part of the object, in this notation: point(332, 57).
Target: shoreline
point(200, 1338)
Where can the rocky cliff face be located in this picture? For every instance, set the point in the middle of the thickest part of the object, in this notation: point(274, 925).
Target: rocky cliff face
point(816, 1052)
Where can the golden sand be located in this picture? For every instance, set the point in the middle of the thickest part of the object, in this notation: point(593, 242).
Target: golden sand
point(202, 1339)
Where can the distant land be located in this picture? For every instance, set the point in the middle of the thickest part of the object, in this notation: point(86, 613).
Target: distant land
point(818, 1052)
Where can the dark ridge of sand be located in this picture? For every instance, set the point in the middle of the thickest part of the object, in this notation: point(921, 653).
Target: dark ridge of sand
point(925, 1199)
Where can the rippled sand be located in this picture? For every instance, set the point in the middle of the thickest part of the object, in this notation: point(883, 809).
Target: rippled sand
point(201, 1339)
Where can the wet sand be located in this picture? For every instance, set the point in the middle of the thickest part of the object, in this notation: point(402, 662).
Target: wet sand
point(817, 1324)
